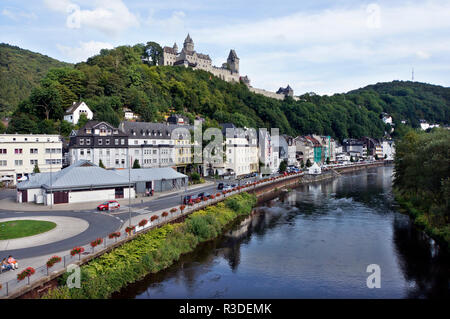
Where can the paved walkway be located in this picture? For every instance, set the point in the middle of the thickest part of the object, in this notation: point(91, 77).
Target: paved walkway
point(11, 204)
point(66, 227)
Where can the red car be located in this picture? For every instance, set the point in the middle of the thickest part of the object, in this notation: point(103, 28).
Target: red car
point(108, 205)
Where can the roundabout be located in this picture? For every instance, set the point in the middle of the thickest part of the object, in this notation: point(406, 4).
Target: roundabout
point(55, 228)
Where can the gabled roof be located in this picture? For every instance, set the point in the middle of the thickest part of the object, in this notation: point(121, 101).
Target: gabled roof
point(74, 107)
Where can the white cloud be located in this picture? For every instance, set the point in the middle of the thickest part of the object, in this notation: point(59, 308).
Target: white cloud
point(108, 16)
point(174, 23)
point(18, 15)
point(83, 51)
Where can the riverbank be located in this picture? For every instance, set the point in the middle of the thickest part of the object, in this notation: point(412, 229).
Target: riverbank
point(153, 251)
point(424, 220)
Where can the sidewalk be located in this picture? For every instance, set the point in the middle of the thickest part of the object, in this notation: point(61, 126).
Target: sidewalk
point(12, 205)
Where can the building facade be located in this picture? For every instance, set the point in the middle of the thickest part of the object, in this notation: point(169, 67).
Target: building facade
point(188, 57)
point(74, 112)
point(101, 144)
point(20, 153)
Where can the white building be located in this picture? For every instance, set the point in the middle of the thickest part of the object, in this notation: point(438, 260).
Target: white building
point(78, 183)
point(388, 147)
point(241, 150)
point(19, 153)
point(268, 153)
point(74, 112)
point(150, 143)
point(99, 141)
point(129, 115)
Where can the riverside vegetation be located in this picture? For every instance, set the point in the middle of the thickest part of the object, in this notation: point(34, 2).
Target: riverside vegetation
point(422, 180)
point(153, 251)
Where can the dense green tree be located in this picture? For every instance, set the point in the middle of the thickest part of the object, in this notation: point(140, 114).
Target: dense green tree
point(136, 164)
point(36, 169)
point(308, 163)
point(283, 166)
point(100, 164)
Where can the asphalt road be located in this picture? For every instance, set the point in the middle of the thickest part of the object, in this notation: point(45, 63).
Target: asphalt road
point(100, 223)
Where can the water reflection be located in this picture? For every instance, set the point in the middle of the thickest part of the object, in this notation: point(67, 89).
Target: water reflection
point(312, 242)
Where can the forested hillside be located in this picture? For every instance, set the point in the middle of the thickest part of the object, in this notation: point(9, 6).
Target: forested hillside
point(118, 78)
point(20, 71)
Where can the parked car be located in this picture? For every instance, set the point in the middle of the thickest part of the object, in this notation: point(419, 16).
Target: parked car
point(189, 199)
point(109, 205)
point(227, 187)
point(220, 186)
point(203, 195)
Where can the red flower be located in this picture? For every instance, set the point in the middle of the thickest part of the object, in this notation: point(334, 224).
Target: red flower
point(164, 214)
point(129, 229)
point(154, 217)
point(53, 260)
point(182, 207)
point(26, 273)
point(173, 210)
point(76, 250)
point(143, 222)
point(96, 242)
point(113, 235)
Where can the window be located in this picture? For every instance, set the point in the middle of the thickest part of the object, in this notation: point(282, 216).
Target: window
point(3, 151)
point(33, 162)
point(81, 141)
point(81, 152)
point(52, 161)
point(100, 141)
point(117, 161)
point(122, 141)
point(3, 163)
point(116, 141)
point(88, 141)
point(18, 151)
point(33, 150)
point(18, 162)
point(107, 141)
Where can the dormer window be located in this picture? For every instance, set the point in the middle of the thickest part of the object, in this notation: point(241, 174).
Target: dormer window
point(88, 131)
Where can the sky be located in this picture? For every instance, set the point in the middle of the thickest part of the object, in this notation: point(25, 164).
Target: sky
point(317, 46)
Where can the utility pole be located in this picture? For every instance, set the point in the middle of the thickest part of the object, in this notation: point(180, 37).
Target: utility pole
point(51, 181)
point(129, 186)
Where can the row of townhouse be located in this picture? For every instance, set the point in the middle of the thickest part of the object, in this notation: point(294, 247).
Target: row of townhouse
point(170, 144)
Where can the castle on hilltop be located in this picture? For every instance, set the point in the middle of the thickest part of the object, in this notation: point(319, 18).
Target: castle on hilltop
point(188, 57)
point(229, 71)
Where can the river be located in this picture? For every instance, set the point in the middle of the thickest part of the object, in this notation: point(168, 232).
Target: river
point(314, 241)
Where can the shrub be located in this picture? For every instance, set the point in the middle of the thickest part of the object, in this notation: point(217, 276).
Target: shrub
point(149, 252)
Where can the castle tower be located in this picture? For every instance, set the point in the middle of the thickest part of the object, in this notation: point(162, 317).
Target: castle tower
point(233, 61)
point(175, 48)
point(188, 44)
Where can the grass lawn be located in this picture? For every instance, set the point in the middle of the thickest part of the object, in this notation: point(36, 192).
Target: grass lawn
point(23, 228)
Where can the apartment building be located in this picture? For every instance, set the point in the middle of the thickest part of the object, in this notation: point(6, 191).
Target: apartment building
point(99, 143)
point(21, 153)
